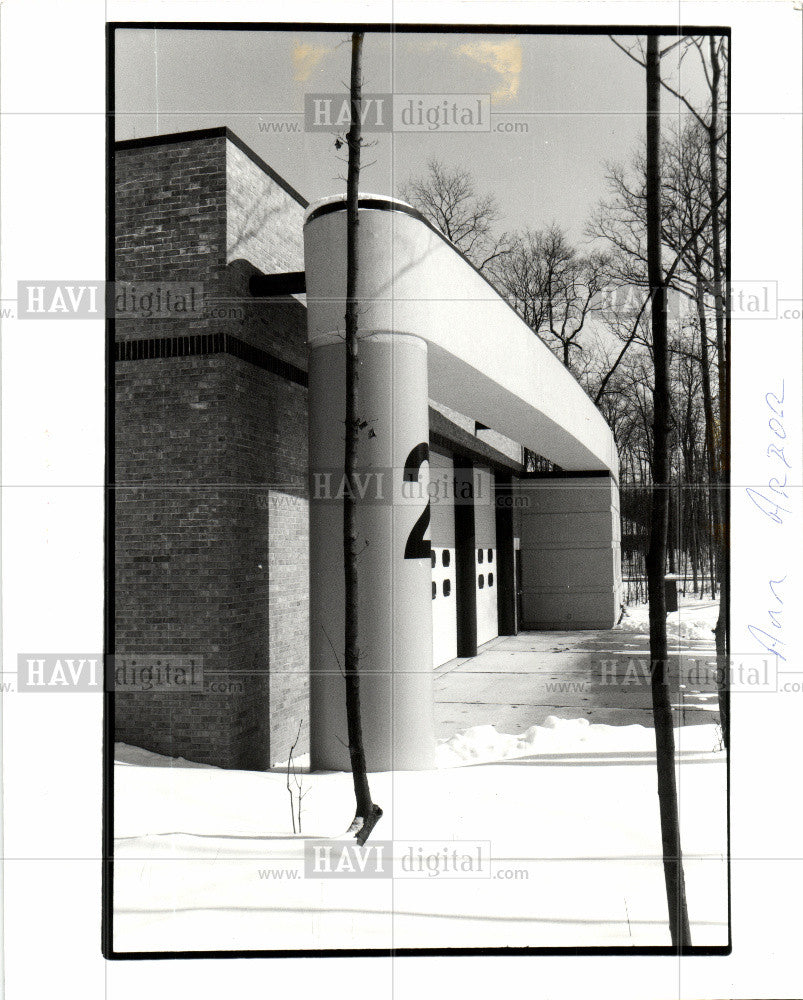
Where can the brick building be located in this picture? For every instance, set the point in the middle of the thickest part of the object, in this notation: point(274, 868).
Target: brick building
point(211, 521)
point(211, 450)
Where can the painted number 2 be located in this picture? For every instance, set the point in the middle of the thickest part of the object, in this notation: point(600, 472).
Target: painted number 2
point(417, 546)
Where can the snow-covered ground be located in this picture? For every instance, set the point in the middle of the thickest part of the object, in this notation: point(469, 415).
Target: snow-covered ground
point(565, 738)
point(568, 811)
point(694, 619)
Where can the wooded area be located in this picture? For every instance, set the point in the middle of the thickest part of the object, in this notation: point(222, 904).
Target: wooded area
point(589, 301)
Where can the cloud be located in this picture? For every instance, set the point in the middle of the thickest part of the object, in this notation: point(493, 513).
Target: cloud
point(305, 58)
point(503, 57)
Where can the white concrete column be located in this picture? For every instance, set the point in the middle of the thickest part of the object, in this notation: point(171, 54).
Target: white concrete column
point(394, 586)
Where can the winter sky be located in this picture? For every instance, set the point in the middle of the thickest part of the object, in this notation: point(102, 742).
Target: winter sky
point(581, 99)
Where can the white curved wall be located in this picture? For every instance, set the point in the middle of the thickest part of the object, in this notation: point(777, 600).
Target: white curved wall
point(483, 359)
point(430, 327)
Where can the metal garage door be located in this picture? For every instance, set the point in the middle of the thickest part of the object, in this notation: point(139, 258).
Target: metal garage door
point(485, 555)
point(444, 593)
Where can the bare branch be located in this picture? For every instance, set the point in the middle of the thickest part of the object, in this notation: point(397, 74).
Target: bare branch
point(664, 84)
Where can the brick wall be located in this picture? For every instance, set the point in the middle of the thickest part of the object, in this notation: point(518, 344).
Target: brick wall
point(211, 457)
point(169, 220)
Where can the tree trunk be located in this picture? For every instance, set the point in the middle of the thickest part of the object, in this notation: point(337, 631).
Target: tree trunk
point(712, 570)
point(722, 533)
point(671, 532)
point(367, 814)
point(718, 517)
point(656, 555)
point(695, 558)
point(708, 413)
point(716, 236)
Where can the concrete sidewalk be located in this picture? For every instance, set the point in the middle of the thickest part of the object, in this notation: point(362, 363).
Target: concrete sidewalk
point(602, 675)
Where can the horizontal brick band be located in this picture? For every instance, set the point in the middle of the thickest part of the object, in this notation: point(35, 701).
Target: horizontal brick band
point(199, 344)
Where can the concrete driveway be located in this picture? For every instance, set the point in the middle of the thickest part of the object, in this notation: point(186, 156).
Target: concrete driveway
point(517, 681)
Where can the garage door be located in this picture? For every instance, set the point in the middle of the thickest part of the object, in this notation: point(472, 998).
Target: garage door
point(444, 594)
point(485, 555)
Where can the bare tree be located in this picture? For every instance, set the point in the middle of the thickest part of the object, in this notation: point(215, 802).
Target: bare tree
point(447, 196)
point(712, 51)
point(717, 52)
point(656, 554)
point(295, 784)
point(629, 278)
point(687, 234)
point(553, 287)
point(368, 813)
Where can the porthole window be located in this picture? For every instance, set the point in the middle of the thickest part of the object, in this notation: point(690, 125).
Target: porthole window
point(490, 579)
point(481, 581)
point(490, 555)
point(480, 554)
point(434, 590)
point(447, 587)
point(432, 557)
point(446, 557)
